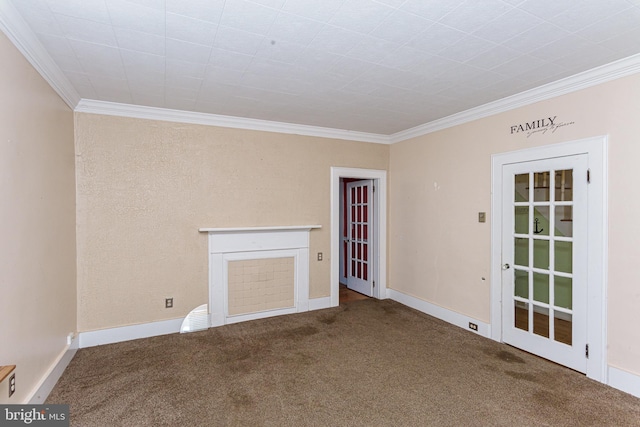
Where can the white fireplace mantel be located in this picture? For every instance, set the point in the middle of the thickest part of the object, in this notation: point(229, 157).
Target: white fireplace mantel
point(227, 244)
point(258, 229)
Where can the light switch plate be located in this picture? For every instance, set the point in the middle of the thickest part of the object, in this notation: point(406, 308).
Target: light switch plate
point(482, 217)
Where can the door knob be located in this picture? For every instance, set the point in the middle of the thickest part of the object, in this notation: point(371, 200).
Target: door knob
point(506, 266)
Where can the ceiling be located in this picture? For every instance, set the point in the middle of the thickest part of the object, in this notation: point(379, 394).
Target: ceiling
point(375, 66)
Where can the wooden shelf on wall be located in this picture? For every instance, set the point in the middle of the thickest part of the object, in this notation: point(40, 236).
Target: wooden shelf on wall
point(5, 371)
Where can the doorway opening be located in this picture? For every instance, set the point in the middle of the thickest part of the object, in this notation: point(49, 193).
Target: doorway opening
point(358, 232)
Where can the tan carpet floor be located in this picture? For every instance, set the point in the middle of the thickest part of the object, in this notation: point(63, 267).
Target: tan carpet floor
point(365, 363)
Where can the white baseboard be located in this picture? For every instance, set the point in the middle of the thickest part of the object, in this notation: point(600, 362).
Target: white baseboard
point(49, 380)
point(625, 381)
point(439, 312)
point(259, 315)
point(319, 303)
point(127, 333)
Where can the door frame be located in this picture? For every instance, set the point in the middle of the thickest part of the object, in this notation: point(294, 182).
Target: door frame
point(596, 150)
point(379, 178)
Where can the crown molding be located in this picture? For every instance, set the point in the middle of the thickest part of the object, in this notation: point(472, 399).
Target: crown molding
point(605, 73)
point(20, 34)
point(180, 116)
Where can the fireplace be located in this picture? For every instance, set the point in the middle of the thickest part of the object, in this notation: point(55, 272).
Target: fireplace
point(257, 272)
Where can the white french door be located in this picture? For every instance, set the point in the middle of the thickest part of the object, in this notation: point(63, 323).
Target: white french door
point(545, 258)
point(359, 268)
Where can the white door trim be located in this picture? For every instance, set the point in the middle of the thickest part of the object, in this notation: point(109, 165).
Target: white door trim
point(379, 178)
point(596, 150)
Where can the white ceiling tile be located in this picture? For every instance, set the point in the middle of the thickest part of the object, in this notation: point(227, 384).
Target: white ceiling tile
point(598, 55)
point(360, 15)
point(78, 78)
point(391, 92)
point(175, 68)
point(140, 42)
point(625, 44)
point(188, 52)
point(136, 17)
point(153, 99)
point(589, 12)
point(294, 28)
point(189, 29)
point(223, 75)
point(407, 58)
point(532, 39)
point(544, 73)
point(350, 68)
point(86, 92)
point(111, 89)
point(436, 38)
point(154, 4)
point(139, 62)
point(82, 29)
point(392, 3)
point(360, 86)
point(316, 61)
point(400, 27)
point(274, 4)
point(545, 9)
point(372, 49)
point(280, 51)
point(146, 81)
point(473, 14)
point(237, 62)
point(98, 59)
point(430, 9)
point(173, 92)
point(93, 10)
point(56, 45)
point(237, 40)
point(318, 10)
point(506, 26)
point(518, 66)
point(212, 89)
point(467, 48)
point(246, 16)
point(612, 26)
point(560, 47)
point(206, 10)
point(26, 7)
point(493, 57)
point(184, 82)
point(336, 40)
point(42, 21)
point(69, 64)
point(380, 73)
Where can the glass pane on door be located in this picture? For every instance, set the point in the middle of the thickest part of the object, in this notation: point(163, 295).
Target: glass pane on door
point(542, 246)
point(563, 325)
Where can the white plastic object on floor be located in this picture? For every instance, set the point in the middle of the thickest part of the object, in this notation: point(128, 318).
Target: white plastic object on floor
point(196, 320)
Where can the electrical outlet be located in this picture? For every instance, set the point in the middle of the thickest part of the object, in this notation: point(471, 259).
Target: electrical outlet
point(12, 384)
point(168, 303)
point(473, 326)
point(319, 256)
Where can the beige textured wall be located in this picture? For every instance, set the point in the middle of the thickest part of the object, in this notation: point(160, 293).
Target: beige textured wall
point(439, 182)
point(145, 187)
point(37, 223)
